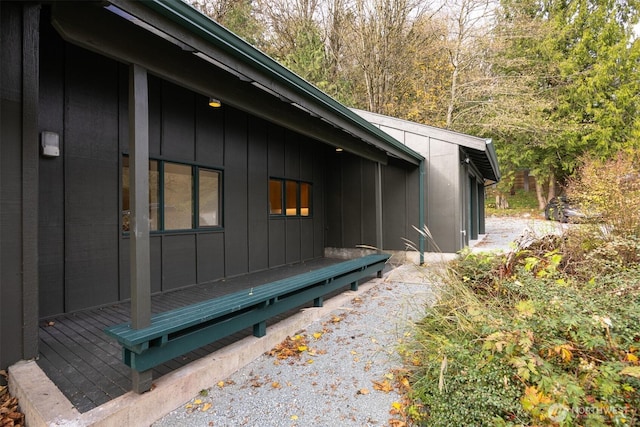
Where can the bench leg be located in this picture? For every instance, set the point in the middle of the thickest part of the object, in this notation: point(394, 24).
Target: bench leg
point(141, 381)
point(380, 274)
point(260, 329)
point(318, 302)
point(354, 286)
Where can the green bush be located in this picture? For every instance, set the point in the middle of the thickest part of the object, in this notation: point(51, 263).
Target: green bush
point(542, 336)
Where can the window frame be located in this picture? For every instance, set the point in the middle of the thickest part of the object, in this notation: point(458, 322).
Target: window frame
point(195, 197)
point(285, 199)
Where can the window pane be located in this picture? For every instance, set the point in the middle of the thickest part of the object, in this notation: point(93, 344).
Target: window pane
point(305, 199)
point(292, 198)
point(209, 205)
point(154, 183)
point(178, 190)
point(275, 197)
point(154, 195)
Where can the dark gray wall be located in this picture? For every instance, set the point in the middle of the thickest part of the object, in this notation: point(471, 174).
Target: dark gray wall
point(350, 205)
point(85, 257)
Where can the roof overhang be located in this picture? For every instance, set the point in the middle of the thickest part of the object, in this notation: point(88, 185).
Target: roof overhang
point(480, 151)
point(178, 43)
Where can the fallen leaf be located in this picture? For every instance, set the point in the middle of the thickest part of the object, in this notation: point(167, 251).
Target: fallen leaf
point(396, 405)
point(220, 384)
point(363, 391)
point(317, 335)
point(633, 371)
point(206, 407)
point(197, 401)
point(275, 384)
point(294, 417)
point(384, 386)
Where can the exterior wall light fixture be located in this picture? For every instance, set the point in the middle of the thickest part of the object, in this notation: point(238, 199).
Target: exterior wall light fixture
point(215, 103)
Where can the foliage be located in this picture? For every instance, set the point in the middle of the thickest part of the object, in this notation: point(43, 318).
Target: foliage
point(10, 414)
point(609, 191)
point(520, 203)
point(538, 336)
point(236, 15)
point(564, 83)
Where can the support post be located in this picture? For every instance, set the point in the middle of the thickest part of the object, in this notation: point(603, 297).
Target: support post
point(378, 197)
point(139, 202)
point(30, 151)
point(421, 219)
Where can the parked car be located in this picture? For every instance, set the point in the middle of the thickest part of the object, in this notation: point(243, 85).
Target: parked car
point(561, 209)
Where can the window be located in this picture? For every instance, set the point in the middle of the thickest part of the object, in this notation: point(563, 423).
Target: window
point(275, 196)
point(289, 198)
point(305, 199)
point(178, 197)
point(208, 197)
point(154, 180)
point(176, 192)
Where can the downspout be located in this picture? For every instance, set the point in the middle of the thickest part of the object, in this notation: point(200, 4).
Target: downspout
point(421, 219)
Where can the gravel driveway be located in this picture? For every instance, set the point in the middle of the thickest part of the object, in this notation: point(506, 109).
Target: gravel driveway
point(341, 369)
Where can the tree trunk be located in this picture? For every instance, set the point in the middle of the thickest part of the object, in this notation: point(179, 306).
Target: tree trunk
point(542, 200)
point(501, 201)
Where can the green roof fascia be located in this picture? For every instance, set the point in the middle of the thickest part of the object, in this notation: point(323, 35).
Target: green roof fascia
point(493, 159)
point(199, 24)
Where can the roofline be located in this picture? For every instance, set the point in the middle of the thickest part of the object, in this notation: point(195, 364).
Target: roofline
point(460, 139)
point(467, 140)
point(493, 158)
point(195, 22)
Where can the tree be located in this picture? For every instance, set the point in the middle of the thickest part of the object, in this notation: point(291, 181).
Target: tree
point(236, 15)
point(563, 83)
point(379, 58)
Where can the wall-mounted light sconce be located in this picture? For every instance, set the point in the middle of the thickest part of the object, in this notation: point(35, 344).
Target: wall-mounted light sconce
point(50, 143)
point(215, 103)
point(339, 150)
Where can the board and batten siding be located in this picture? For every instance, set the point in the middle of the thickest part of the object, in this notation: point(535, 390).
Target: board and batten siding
point(351, 214)
point(85, 256)
point(18, 182)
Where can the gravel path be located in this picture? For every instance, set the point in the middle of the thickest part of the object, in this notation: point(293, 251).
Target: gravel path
point(339, 370)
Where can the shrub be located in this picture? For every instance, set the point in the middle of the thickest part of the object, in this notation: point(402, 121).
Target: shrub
point(609, 191)
point(544, 335)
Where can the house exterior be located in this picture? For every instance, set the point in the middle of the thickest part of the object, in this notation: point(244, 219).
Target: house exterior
point(119, 180)
point(457, 169)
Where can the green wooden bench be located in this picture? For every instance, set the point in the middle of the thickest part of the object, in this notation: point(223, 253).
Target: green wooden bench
point(179, 331)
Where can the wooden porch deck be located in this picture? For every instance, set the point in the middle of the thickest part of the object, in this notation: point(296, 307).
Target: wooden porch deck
point(86, 364)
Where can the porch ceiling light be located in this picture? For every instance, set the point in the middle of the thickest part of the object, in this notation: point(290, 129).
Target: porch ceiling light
point(215, 103)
